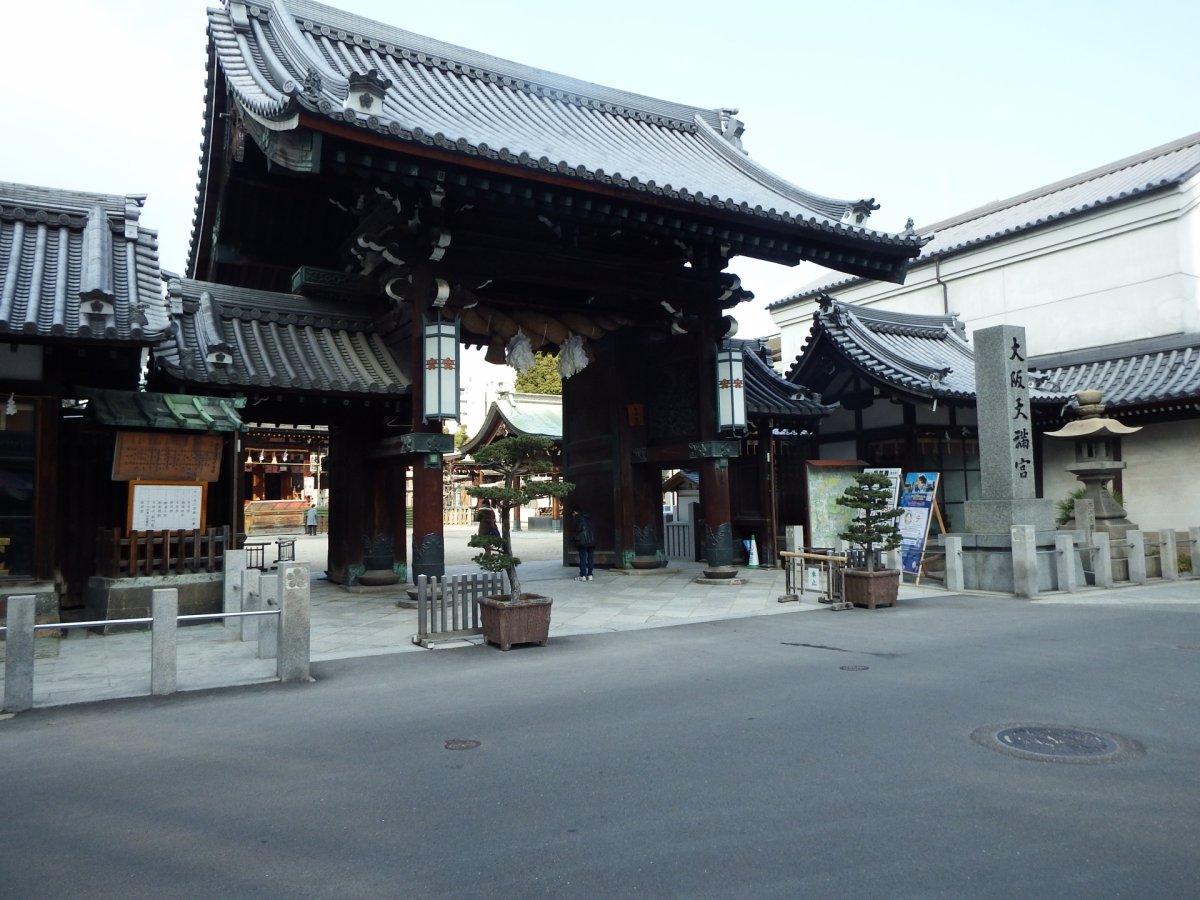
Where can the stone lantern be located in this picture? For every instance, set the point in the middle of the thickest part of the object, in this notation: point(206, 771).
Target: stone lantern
point(1097, 444)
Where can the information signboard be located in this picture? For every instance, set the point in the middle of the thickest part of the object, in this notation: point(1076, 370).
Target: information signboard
point(166, 506)
point(917, 501)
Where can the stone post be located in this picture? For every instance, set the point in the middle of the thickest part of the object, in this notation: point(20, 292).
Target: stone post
point(954, 563)
point(18, 653)
point(292, 663)
point(1194, 549)
point(1064, 552)
point(251, 600)
point(1137, 556)
point(1102, 560)
point(231, 598)
point(1085, 519)
point(268, 628)
point(164, 640)
point(1168, 553)
point(1024, 561)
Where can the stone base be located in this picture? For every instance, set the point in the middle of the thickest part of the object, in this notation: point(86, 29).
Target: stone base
point(999, 516)
point(735, 582)
point(658, 571)
point(988, 563)
point(129, 598)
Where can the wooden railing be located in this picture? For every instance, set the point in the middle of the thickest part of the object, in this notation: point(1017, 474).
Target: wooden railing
point(160, 552)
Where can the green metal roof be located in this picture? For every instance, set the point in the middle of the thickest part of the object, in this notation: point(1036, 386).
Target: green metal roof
point(184, 412)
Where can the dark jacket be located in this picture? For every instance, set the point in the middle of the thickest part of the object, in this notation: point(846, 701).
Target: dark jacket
point(584, 535)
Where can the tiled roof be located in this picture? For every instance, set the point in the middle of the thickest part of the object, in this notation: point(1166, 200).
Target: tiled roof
point(136, 409)
point(246, 338)
point(769, 395)
point(1160, 372)
point(926, 356)
point(282, 58)
point(78, 265)
point(520, 414)
point(1152, 170)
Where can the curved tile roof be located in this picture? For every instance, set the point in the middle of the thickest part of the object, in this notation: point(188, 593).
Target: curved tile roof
point(78, 265)
point(520, 413)
point(246, 338)
point(1162, 372)
point(926, 356)
point(1153, 170)
point(769, 395)
point(282, 58)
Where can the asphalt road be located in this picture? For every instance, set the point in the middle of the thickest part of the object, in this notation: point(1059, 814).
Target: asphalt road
point(724, 759)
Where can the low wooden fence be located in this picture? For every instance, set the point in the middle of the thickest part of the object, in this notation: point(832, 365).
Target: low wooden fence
point(680, 544)
point(448, 607)
point(160, 552)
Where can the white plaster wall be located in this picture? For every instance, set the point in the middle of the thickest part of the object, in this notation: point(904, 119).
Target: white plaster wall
point(1122, 274)
point(1162, 476)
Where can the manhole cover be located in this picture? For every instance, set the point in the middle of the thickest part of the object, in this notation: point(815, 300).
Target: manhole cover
point(1189, 646)
point(1056, 743)
point(854, 668)
point(458, 744)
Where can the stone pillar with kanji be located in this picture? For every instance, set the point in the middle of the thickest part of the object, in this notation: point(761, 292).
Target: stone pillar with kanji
point(1007, 469)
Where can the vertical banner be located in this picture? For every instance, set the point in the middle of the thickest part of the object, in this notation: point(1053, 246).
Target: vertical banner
point(920, 491)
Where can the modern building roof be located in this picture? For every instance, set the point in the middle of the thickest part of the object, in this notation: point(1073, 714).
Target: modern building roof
point(517, 413)
point(1161, 372)
point(1157, 169)
point(294, 62)
point(245, 338)
point(918, 355)
point(78, 265)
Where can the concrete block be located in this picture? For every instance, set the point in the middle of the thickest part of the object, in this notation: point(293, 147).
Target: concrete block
point(18, 653)
point(1102, 560)
point(231, 600)
point(251, 600)
point(1064, 546)
point(164, 641)
point(1024, 561)
point(295, 614)
point(954, 562)
point(1168, 553)
point(268, 626)
point(1137, 556)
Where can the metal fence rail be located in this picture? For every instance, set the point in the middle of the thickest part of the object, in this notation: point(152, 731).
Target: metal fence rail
point(288, 642)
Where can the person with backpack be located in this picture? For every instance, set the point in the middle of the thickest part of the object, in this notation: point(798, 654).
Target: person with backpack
point(585, 543)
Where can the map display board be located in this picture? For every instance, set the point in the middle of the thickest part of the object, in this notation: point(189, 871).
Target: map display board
point(826, 479)
point(175, 506)
point(917, 499)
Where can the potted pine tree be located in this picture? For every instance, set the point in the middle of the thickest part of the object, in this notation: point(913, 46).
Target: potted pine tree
point(516, 617)
point(873, 527)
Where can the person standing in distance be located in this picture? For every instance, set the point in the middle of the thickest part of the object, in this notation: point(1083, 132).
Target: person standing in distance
point(585, 543)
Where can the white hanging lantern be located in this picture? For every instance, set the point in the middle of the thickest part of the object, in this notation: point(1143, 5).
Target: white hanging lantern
point(441, 369)
point(731, 390)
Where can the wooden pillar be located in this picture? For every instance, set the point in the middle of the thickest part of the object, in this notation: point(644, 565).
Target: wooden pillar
point(717, 536)
point(350, 508)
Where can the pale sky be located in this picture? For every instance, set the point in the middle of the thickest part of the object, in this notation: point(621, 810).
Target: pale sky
point(932, 108)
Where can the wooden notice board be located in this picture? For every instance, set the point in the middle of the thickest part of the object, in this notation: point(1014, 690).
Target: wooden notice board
point(166, 457)
point(166, 506)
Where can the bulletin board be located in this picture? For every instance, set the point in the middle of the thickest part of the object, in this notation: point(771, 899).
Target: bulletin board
point(825, 479)
point(166, 506)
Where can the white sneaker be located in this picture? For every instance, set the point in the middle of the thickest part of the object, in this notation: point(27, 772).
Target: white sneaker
point(580, 578)
point(589, 578)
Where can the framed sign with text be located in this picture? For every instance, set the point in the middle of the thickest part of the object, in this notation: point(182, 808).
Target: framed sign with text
point(166, 506)
point(162, 457)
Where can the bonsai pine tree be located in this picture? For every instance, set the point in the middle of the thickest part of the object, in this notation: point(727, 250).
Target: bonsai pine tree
point(875, 526)
point(515, 458)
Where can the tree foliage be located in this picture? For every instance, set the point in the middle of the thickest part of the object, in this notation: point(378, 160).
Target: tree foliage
point(542, 378)
point(875, 525)
point(516, 459)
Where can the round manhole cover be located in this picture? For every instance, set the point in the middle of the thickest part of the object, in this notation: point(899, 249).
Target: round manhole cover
point(854, 668)
point(459, 744)
point(1189, 646)
point(1056, 743)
